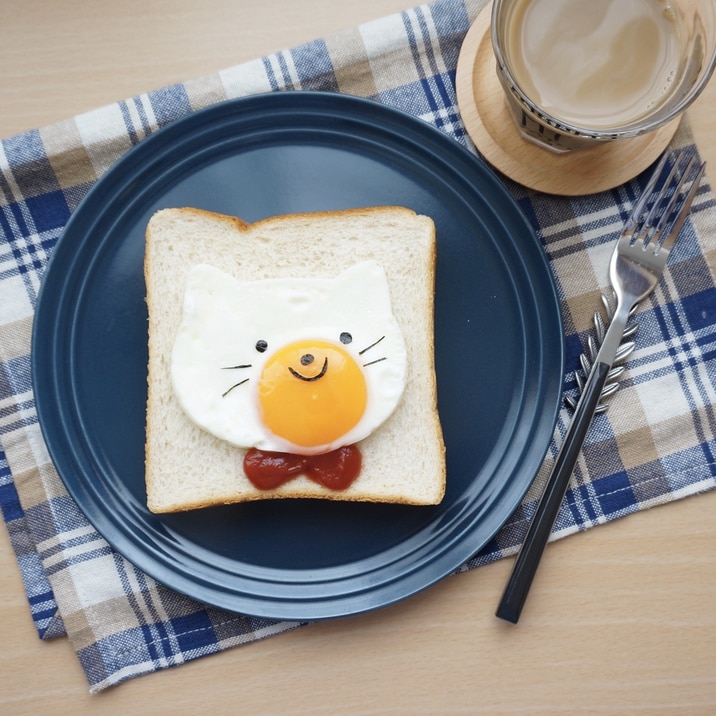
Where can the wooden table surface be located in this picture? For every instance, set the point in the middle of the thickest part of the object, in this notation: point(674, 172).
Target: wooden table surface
point(622, 618)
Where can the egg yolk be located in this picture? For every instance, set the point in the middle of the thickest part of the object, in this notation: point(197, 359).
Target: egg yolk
point(311, 393)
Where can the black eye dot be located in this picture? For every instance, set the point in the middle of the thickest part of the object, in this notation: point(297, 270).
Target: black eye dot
point(346, 338)
point(261, 346)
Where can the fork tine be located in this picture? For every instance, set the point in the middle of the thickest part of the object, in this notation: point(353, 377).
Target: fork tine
point(658, 215)
point(666, 206)
point(641, 204)
point(675, 227)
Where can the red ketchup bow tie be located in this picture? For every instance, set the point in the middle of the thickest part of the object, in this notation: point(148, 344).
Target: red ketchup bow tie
point(335, 470)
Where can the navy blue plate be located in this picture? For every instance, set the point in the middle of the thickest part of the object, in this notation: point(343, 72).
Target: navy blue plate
point(498, 343)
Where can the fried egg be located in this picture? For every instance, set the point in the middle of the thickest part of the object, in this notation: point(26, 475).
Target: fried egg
point(301, 365)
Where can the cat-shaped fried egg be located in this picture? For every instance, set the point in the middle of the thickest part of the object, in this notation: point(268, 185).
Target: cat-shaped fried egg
point(293, 365)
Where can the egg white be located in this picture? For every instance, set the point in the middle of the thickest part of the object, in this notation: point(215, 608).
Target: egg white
point(223, 319)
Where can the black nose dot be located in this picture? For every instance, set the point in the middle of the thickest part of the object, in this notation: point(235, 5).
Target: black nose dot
point(306, 359)
point(346, 337)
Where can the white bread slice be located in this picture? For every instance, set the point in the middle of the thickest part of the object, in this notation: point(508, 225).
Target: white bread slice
point(403, 460)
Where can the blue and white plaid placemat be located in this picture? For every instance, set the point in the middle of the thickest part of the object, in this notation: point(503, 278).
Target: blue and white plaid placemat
point(655, 444)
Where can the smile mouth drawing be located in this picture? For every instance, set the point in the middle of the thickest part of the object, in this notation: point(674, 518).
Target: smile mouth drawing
point(307, 360)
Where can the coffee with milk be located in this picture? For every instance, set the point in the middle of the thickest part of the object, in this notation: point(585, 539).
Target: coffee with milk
point(595, 63)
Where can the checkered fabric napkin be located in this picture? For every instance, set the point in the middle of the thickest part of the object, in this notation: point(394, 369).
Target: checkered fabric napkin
point(655, 444)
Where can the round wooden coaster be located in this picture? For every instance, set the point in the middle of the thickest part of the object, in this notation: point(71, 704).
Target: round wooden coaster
point(486, 117)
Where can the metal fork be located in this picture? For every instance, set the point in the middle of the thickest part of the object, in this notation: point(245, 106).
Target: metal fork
point(635, 268)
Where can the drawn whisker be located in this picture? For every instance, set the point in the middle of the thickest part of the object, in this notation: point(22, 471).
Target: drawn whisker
point(234, 367)
point(372, 345)
point(373, 362)
point(235, 385)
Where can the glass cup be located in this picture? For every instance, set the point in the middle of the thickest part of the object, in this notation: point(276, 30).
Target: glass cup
point(578, 72)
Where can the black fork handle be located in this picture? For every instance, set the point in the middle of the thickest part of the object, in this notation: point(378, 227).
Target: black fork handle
point(528, 559)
